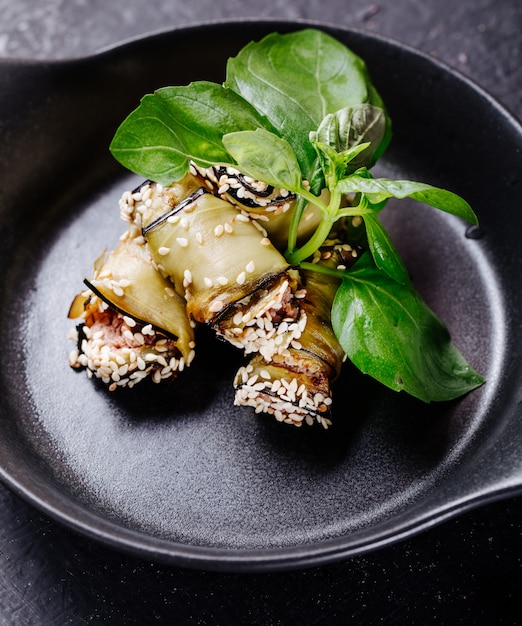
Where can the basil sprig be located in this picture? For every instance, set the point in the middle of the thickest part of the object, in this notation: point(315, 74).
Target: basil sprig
point(298, 111)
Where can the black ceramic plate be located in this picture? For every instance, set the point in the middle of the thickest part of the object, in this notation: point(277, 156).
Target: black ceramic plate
point(178, 473)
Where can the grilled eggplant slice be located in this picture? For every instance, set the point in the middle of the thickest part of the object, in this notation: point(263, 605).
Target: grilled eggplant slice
point(228, 271)
point(134, 325)
point(296, 389)
point(272, 208)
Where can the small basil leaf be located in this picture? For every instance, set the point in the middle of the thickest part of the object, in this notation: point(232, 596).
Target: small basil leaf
point(333, 163)
point(350, 127)
point(265, 156)
point(378, 189)
point(383, 251)
point(178, 124)
point(388, 332)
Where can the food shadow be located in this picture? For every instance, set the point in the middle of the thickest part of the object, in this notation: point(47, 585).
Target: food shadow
point(371, 425)
point(192, 395)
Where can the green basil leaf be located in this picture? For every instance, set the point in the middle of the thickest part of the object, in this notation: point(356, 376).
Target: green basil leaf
point(334, 164)
point(383, 251)
point(265, 156)
point(295, 80)
point(388, 332)
point(379, 189)
point(147, 144)
point(350, 127)
point(178, 124)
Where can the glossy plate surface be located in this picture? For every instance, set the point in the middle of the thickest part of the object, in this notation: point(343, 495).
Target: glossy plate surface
point(179, 474)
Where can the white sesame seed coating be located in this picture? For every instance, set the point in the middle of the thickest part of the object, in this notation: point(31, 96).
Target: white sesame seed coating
point(109, 349)
point(276, 390)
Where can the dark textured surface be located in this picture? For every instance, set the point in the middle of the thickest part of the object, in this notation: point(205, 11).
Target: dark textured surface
point(466, 571)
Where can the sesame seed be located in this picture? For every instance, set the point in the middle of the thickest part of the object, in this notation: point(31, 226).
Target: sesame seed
point(129, 321)
point(250, 267)
point(216, 306)
point(181, 241)
point(163, 250)
point(161, 360)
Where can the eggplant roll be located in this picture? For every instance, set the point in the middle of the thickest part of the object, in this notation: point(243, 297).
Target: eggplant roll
point(134, 325)
point(228, 271)
point(296, 389)
point(272, 208)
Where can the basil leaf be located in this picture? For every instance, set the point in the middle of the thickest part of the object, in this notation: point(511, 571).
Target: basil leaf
point(383, 251)
point(334, 164)
point(350, 127)
point(388, 332)
point(178, 124)
point(378, 189)
point(148, 144)
point(295, 80)
point(265, 156)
